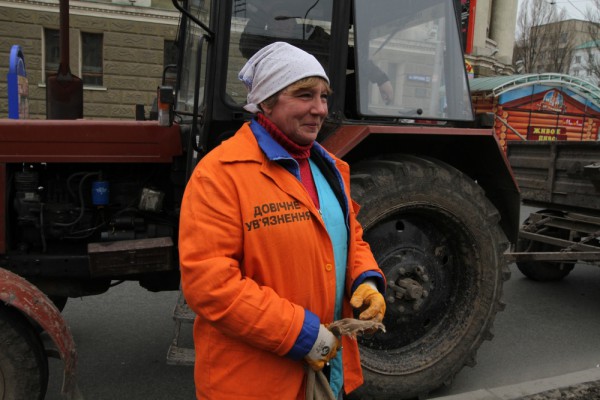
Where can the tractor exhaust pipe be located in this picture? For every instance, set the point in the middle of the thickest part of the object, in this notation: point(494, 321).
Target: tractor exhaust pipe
point(64, 91)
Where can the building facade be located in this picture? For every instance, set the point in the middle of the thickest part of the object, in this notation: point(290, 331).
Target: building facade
point(559, 42)
point(586, 58)
point(493, 37)
point(119, 50)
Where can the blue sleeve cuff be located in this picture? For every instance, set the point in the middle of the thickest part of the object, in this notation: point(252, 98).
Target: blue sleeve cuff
point(379, 281)
point(307, 337)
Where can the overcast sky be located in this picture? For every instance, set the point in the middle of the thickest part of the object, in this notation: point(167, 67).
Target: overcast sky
point(576, 9)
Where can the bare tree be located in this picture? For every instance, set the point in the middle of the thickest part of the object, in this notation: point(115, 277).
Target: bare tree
point(543, 44)
point(559, 42)
point(592, 48)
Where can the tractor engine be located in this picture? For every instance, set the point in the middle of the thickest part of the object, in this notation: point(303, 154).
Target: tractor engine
point(57, 207)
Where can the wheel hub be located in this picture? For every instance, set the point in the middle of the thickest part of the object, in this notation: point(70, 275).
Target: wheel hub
point(409, 282)
point(420, 274)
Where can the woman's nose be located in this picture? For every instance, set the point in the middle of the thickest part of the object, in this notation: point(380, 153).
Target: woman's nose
point(319, 106)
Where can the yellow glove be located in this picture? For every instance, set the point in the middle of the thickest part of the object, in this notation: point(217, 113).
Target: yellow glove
point(370, 301)
point(324, 349)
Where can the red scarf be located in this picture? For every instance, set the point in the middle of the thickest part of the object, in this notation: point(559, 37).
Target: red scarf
point(299, 152)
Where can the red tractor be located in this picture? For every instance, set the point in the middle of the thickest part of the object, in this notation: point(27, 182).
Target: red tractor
point(86, 204)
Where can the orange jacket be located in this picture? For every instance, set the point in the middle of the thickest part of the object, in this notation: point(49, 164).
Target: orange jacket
point(255, 259)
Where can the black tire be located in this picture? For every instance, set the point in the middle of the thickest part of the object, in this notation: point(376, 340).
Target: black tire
point(23, 363)
point(543, 271)
point(437, 238)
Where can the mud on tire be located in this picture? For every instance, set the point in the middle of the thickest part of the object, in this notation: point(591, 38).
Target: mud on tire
point(438, 240)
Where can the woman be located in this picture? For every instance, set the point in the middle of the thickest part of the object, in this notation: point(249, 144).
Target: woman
point(270, 247)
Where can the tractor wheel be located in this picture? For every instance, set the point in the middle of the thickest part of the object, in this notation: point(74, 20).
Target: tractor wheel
point(543, 271)
point(438, 240)
point(23, 363)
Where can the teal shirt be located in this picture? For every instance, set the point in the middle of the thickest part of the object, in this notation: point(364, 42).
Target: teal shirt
point(335, 222)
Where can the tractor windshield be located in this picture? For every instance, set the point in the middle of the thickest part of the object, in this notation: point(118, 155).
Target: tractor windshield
point(415, 46)
point(257, 23)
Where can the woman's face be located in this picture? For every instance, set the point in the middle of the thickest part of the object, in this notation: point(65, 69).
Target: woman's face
point(300, 112)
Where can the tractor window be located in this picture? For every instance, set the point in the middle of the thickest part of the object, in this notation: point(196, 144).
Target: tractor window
point(170, 55)
point(190, 55)
point(257, 23)
point(417, 47)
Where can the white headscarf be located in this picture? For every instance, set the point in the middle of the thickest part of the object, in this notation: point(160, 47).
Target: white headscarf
point(274, 67)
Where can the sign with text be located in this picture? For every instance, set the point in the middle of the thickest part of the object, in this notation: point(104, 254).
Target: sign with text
point(541, 133)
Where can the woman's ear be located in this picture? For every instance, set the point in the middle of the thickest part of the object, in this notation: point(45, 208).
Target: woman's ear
point(265, 108)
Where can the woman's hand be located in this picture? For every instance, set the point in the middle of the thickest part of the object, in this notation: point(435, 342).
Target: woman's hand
point(324, 349)
point(369, 301)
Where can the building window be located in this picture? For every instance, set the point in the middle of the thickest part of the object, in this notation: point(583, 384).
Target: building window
point(575, 72)
point(170, 58)
point(578, 59)
point(91, 58)
point(51, 51)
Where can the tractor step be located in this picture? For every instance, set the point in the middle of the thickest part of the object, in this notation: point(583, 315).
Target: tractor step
point(183, 356)
point(179, 354)
point(182, 311)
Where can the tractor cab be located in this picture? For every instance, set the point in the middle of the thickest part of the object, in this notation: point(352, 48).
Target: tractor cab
point(386, 63)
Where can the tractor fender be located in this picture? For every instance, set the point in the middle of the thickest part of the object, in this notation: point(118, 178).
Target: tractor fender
point(19, 293)
point(479, 155)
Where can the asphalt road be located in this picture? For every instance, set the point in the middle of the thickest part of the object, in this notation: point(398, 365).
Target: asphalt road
point(547, 329)
point(122, 336)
